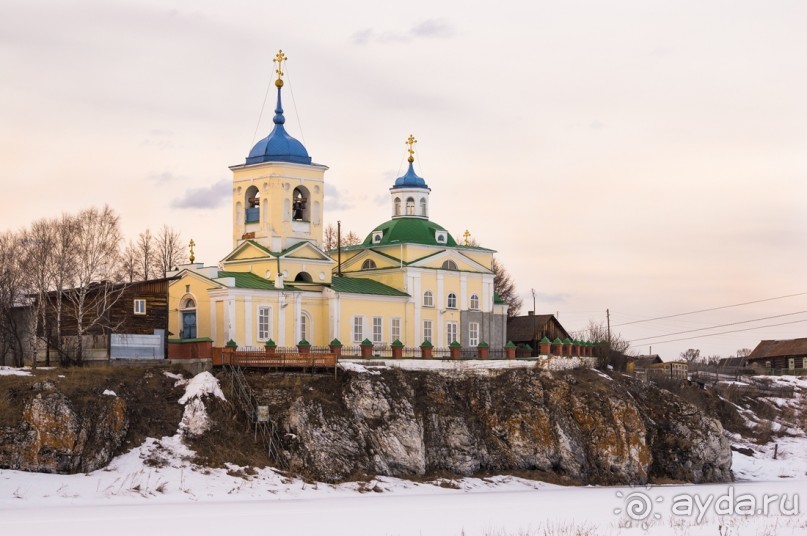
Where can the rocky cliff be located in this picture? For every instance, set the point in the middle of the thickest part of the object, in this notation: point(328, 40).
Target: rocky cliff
point(577, 426)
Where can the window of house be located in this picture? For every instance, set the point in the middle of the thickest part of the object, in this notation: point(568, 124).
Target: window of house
point(140, 306)
point(369, 264)
point(449, 265)
point(441, 237)
point(473, 334)
point(452, 301)
point(397, 206)
point(427, 330)
point(428, 299)
point(264, 323)
point(377, 330)
point(474, 301)
point(358, 328)
point(423, 207)
point(395, 329)
point(451, 332)
point(377, 236)
point(791, 363)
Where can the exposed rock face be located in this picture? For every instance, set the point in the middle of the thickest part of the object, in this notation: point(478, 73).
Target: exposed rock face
point(577, 425)
point(53, 438)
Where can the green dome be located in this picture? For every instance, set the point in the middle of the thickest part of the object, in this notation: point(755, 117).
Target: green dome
point(409, 230)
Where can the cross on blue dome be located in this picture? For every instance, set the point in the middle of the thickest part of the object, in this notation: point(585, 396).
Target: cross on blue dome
point(279, 146)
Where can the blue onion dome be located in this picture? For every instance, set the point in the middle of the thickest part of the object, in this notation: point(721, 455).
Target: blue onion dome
point(410, 179)
point(279, 146)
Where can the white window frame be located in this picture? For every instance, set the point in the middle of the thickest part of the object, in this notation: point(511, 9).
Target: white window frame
point(306, 327)
point(451, 300)
point(358, 328)
point(473, 334)
point(395, 329)
point(264, 323)
point(427, 330)
point(428, 299)
point(452, 326)
point(378, 330)
point(139, 306)
point(474, 302)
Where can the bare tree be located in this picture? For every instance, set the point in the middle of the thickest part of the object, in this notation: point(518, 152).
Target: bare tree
point(38, 244)
point(744, 352)
point(170, 252)
point(503, 286)
point(129, 263)
point(11, 289)
point(62, 269)
point(97, 240)
point(330, 242)
point(147, 252)
point(691, 355)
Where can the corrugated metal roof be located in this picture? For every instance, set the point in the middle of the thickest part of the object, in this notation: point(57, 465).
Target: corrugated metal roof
point(790, 347)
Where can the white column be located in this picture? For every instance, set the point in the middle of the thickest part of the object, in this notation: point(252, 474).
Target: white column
point(281, 320)
point(440, 305)
point(248, 321)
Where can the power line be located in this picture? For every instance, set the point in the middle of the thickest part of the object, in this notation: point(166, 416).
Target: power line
point(731, 331)
point(718, 326)
point(711, 309)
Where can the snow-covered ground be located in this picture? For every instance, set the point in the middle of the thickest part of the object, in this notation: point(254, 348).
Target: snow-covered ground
point(156, 489)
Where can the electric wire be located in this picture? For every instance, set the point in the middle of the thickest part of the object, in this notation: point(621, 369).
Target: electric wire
point(731, 331)
point(717, 326)
point(710, 309)
point(294, 103)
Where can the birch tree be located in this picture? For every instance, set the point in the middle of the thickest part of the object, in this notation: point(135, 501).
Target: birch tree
point(38, 243)
point(97, 240)
point(147, 253)
point(62, 270)
point(11, 285)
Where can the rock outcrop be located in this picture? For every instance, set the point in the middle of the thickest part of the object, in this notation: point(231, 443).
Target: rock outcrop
point(52, 437)
point(578, 426)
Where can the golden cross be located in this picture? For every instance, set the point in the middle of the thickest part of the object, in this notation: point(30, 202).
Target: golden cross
point(192, 258)
point(411, 141)
point(466, 235)
point(279, 59)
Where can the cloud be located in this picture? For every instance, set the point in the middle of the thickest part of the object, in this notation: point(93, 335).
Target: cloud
point(164, 177)
point(427, 29)
point(210, 197)
point(596, 124)
point(333, 199)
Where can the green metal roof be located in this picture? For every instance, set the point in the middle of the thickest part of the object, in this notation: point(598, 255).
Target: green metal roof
point(250, 280)
point(409, 230)
point(497, 299)
point(360, 285)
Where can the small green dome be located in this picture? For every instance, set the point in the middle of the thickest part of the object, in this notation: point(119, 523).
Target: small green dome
point(409, 230)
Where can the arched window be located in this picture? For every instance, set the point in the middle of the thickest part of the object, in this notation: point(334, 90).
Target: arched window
point(252, 203)
point(301, 210)
point(305, 327)
point(397, 206)
point(369, 264)
point(410, 206)
point(452, 301)
point(423, 206)
point(428, 299)
point(474, 301)
point(188, 314)
point(449, 265)
point(304, 277)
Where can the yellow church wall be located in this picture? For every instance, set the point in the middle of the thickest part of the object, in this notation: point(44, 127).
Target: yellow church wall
point(367, 307)
point(485, 258)
point(189, 286)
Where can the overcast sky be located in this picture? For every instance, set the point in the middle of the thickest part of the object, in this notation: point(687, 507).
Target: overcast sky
point(642, 156)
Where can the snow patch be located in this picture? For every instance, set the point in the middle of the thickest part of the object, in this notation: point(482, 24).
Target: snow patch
point(201, 385)
point(108, 392)
point(11, 371)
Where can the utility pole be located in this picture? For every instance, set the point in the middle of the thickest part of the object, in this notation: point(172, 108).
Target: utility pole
point(534, 322)
point(339, 248)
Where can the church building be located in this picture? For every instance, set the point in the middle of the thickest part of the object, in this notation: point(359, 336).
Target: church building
point(408, 281)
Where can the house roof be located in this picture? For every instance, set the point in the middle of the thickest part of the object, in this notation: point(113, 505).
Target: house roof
point(361, 285)
point(525, 328)
point(790, 347)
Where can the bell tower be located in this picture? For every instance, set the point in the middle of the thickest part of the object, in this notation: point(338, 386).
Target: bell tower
point(278, 192)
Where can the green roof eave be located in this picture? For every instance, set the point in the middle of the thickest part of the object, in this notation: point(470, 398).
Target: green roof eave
point(361, 285)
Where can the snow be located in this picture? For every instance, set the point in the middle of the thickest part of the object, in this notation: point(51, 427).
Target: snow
point(11, 371)
point(157, 489)
point(108, 392)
